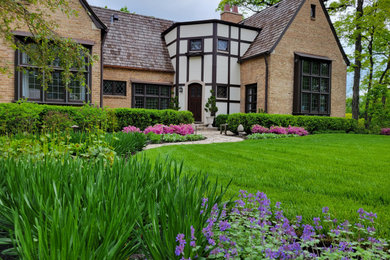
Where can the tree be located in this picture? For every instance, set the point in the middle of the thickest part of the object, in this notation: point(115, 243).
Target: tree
point(124, 9)
point(248, 5)
point(44, 47)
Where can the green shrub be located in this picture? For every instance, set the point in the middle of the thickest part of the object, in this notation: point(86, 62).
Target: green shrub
point(221, 119)
point(74, 209)
point(269, 136)
point(310, 123)
point(142, 118)
point(126, 144)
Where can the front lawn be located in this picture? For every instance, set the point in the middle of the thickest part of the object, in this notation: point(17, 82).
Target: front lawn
point(341, 171)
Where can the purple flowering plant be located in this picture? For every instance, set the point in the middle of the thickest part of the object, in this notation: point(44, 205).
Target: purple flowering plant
point(279, 130)
point(254, 228)
point(385, 131)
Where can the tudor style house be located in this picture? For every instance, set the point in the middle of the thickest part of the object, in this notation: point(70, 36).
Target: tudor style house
point(286, 59)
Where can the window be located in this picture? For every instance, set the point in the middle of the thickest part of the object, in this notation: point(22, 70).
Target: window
point(116, 88)
point(251, 98)
point(223, 45)
point(312, 87)
point(196, 45)
point(29, 84)
point(222, 92)
point(313, 11)
point(151, 96)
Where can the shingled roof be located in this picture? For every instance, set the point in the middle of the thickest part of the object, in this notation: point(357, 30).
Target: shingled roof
point(134, 41)
point(274, 21)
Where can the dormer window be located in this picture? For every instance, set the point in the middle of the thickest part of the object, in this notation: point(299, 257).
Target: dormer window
point(195, 45)
point(313, 12)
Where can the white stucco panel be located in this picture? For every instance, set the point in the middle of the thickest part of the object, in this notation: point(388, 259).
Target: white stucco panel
point(222, 108)
point(222, 69)
point(182, 100)
point(183, 70)
point(208, 45)
point(208, 68)
point(196, 30)
point(174, 68)
point(183, 46)
point(235, 93)
point(248, 35)
point(171, 36)
point(234, 48)
point(234, 32)
point(223, 30)
point(234, 108)
point(244, 48)
point(172, 49)
point(234, 72)
point(195, 68)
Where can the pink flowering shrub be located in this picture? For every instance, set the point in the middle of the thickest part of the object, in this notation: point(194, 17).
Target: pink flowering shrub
point(131, 129)
point(172, 129)
point(385, 131)
point(258, 129)
point(295, 130)
point(279, 130)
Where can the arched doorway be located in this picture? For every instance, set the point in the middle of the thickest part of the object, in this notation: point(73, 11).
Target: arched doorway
point(195, 100)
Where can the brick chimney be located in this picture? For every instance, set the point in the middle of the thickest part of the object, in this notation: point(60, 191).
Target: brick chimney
point(231, 15)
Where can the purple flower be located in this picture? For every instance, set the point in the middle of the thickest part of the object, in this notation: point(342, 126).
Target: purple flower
point(325, 210)
point(223, 225)
point(277, 205)
point(180, 248)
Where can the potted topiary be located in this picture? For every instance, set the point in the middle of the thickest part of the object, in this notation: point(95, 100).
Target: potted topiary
point(211, 108)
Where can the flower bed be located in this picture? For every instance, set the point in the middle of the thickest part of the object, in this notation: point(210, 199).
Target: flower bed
point(292, 130)
point(385, 131)
point(254, 228)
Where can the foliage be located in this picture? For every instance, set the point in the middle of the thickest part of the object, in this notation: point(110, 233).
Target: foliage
point(142, 118)
point(28, 117)
point(173, 138)
point(211, 104)
point(261, 136)
point(71, 209)
point(247, 5)
point(45, 47)
point(124, 9)
point(220, 119)
point(254, 228)
point(310, 123)
point(126, 144)
point(174, 102)
point(344, 171)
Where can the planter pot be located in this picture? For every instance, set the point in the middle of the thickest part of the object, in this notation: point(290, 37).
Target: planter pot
point(210, 121)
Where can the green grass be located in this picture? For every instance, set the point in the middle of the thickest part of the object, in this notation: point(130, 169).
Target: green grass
point(344, 172)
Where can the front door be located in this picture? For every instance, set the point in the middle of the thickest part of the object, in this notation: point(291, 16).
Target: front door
point(195, 101)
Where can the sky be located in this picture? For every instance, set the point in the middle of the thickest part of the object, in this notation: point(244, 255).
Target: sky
point(178, 11)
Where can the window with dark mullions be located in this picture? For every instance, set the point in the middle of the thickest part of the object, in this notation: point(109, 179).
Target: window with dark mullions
point(251, 98)
point(312, 87)
point(151, 96)
point(196, 45)
point(113, 87)
point(29, 84)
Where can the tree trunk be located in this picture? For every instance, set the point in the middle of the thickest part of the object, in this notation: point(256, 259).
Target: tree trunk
point(367, 120)
point(358, 62)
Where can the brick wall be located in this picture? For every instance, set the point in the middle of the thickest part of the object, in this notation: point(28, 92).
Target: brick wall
point(131, 76)
point(306, 35)
point(78, 27)
point(253, 72)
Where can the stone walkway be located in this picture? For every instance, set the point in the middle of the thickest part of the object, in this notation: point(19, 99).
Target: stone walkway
point(212, 136)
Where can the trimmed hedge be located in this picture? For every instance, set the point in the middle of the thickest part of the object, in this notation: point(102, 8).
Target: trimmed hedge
point(310, 123)
point(221, 119)
point(142, 118)
point(30, 117)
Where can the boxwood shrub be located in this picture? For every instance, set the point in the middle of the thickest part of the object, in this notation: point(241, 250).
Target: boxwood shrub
point(221, 119)
point(310, 123)
point(29, 117)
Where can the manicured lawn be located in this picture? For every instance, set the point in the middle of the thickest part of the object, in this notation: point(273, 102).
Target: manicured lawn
point(343, 172)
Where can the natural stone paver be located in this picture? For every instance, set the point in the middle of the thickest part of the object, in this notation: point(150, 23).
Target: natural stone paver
point(212, 136)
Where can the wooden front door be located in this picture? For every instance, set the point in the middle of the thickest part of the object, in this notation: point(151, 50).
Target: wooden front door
point(195, 101)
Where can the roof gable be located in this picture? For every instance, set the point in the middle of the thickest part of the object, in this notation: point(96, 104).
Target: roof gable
point(275, 21)
point(95, 19)
point(134, 41)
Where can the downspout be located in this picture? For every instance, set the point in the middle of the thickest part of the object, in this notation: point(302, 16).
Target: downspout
point(266, 82)
point(104, 35)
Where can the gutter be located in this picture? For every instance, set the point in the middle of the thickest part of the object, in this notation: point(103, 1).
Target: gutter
point(103, 40)
point(266, 82)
